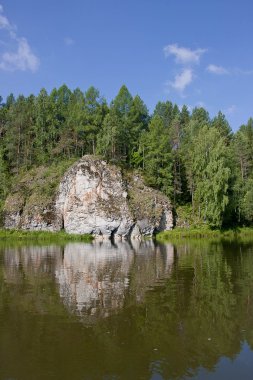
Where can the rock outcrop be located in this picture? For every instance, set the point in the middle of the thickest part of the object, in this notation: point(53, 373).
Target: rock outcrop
point(95, 198)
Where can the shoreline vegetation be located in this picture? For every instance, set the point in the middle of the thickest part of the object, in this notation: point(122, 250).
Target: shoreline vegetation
point(42, 236)
point(177, 233)
point(204, 232)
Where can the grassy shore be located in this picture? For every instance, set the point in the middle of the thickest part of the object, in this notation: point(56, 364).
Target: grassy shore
point(42, 236)
point(204, 232)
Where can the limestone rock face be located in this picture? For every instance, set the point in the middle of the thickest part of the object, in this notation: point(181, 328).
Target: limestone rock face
point(94, 198)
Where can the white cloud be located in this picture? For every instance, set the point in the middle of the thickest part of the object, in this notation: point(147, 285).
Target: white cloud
point(68, 41)
point(23, 58)
point(219, 70)
point(4, 22)
point(183, 55)
point(182, 80)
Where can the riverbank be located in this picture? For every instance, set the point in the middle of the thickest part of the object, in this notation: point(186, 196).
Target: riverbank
point(204, 232)
point(45, 236)
point(176, 233)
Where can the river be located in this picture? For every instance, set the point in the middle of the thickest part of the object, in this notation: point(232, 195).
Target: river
point(127, 311)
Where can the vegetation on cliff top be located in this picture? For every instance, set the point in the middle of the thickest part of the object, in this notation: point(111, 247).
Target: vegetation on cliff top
point(195, 160)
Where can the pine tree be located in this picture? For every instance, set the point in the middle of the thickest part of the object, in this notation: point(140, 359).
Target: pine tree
point(95, 109)
point(111, 138)
point(157, 156)
point(137, 121)
point(221, 124)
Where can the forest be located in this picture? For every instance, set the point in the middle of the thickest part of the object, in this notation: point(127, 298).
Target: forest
point(197, 161)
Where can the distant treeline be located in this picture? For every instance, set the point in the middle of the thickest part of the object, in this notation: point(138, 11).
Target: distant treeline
point(193, 159)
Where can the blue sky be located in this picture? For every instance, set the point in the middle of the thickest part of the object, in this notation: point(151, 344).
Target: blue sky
point(193, 52)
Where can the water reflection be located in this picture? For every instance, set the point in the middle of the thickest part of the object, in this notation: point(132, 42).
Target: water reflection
point(31, 259)
point(94, 279)
point(103, 311)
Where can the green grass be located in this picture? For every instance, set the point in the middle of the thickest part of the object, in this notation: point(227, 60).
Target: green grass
point(204, 232)
point(42, 236)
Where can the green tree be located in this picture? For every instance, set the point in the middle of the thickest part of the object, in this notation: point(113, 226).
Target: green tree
point(157, 156)
point(18, 135)
point(247, 201)
point(46, 127)
point(122, 102)
point(3, 176)
point(110, 139)
point(114, 138)
point(95, 109)
point(242, 153)
point(165, 111)
point(137, 121)
point(211, 174)
point(222, 126)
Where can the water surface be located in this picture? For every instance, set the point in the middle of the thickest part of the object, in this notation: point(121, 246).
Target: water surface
point(142, 311)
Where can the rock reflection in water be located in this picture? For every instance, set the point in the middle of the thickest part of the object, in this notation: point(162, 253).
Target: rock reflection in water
point(97, 279)
point(94, 280)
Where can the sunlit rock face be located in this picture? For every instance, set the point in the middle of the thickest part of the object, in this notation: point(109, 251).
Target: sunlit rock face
point(94, 198)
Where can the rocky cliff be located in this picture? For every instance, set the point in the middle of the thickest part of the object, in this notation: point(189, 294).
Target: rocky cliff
point(93, 198)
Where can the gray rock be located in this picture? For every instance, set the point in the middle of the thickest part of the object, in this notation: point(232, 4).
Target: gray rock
point(94, 198)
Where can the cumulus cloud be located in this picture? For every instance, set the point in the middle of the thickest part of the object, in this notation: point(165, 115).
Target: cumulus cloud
point(22, 58)
point(182, 80)
point(219, 70)
point(183, 55)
